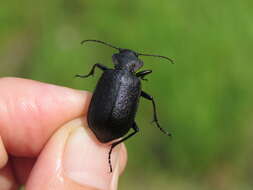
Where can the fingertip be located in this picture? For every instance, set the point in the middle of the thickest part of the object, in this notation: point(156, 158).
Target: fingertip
point(74, 159)
point(32, 111)
point(86, 159)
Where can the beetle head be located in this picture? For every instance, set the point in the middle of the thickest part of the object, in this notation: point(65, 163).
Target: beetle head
point(127, 59)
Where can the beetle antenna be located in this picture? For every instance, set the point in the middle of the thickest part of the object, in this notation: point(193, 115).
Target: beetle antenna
point(164, 57)
point(98, 41)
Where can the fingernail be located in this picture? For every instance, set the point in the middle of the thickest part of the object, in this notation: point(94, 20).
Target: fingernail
point(85, 160)
point(115, 177)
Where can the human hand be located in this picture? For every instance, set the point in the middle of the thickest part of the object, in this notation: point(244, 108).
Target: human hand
point(45, 142)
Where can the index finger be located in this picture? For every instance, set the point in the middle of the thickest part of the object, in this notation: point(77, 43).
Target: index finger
point(31, 111)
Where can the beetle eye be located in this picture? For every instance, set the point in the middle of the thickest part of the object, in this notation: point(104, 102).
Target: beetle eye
point(114, 60)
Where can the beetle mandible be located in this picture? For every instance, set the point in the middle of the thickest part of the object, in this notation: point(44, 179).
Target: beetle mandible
point(115, 100)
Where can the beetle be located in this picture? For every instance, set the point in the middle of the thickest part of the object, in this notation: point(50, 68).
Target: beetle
point(113, 106)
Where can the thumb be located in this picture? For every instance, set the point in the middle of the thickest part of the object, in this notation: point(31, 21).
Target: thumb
point(74, 159)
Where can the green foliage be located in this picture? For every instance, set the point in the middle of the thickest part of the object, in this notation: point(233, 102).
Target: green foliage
point(205, 99)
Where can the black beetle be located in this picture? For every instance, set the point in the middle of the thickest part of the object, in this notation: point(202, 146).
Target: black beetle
point(115, 101)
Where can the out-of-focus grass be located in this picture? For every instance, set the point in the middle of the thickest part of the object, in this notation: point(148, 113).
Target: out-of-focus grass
point(205, 99)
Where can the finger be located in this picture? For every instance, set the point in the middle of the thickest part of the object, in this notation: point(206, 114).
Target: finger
point(31, 111)
point(74, 159)
point(23, 166)
point(7, 180)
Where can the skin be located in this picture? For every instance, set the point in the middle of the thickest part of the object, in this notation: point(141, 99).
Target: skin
point(45, 142)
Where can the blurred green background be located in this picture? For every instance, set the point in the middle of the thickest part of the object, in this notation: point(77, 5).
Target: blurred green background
point(205, 99)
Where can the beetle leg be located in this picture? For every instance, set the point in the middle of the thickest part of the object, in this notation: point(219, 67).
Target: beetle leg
point(149, 97)
point(102, 67)
point(136, 129)
point(142, 74)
